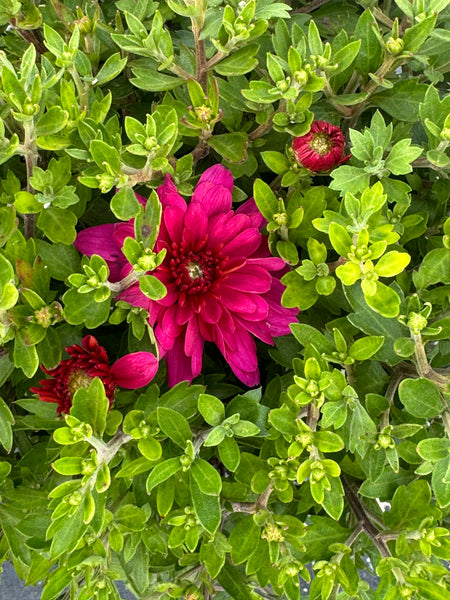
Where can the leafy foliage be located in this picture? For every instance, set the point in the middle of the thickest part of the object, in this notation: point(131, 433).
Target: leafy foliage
point(341, 459)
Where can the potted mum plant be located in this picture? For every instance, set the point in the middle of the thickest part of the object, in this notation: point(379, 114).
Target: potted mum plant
point(224, 298)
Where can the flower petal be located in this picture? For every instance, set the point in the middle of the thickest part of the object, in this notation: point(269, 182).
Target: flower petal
point(179, 366)
point(100, 240)
point(250, 209)
point(134, 370)
point(213, 190)
point(244, 244)
point(168, 194)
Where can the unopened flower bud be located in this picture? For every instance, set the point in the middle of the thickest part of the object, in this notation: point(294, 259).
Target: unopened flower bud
point(395, 45)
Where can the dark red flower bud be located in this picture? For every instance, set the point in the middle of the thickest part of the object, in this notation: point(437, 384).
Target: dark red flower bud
point(321, 149)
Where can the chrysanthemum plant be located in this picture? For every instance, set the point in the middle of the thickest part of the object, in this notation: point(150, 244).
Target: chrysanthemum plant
point(224, 284)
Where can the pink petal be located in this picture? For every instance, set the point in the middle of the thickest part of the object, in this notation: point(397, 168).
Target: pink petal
point(173, 219)
point(259, 329)
point(249, 208)
point(179, 366)
point(253, 280)
point(270, 263)
point(218, 175)
point(279, 318)
point(254, 307)
point(214, 199)
point(121, 232)
point(98, 240)
point(213, 190)
point(244, 244)
point(195, 226)
point(134, 370)
point(224, 227)
point(243, 361)
point(211, 311)
point(168, 194)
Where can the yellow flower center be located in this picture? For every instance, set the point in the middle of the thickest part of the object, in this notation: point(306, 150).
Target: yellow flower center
point(321, 143)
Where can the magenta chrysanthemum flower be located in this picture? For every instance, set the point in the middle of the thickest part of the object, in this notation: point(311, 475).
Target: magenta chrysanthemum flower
point(218, 274)
point(91, 360)
point(321, 149)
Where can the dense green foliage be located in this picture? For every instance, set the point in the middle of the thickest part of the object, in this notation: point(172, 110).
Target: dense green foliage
point(341, 459)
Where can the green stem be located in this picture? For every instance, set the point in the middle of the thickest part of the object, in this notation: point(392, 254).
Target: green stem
point(267, 126)
point(83, 90)
point(30, 153)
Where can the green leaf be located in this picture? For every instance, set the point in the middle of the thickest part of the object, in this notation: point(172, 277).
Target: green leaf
point(232, 146)
point(124, 204)
point(345, 56)
point(240, 62)
point(440, 482)
point(162, 472)
point(234, 583)
point(392, 263)
point(298, 293)
point(26, 203)
point(366, 347)
point(62, 260)
point(174, 426)
point(212, 556)
point(415, 36)
point(82, 308)
point(6, 420)
point(25, 357)
point(333, 499)
point(52, 121)
point(328, 441)
point(277, 162)
point(360, 425)
point(433, 449)
point(150, 448)
point(90, 405)
point(70, 465)
point(105, 154)
point(207, 507)
point(265, 199)
point(113, 65)
point(320, 535)
point(409, 506)
point(244, 539)
point(349, 179)
point(385, 301)
point(403, 100)
point(211, 409)
point(373, 323)
point(370, 52)
point(59, 580)
point(283, 421)
point(428, 590)
point(306, 334)
point(229, 453)
point(149, 79)
point(58, 224)
point(340, 238)
point(401, 156)
point(206, 477)
point(420, 397)
point(435, 268)
point(152, 287)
